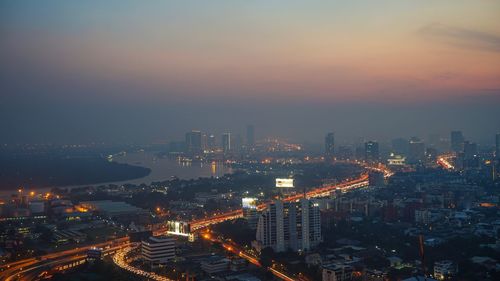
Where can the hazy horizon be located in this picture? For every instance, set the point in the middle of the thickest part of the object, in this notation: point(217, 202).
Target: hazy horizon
point(133, 72)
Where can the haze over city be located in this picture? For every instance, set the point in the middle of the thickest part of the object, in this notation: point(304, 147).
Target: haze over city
point(253, 140)
point(128, 72)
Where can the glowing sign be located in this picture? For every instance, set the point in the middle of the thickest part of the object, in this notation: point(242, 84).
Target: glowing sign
point(178, 228)
point(249, 203)
point(284, 182)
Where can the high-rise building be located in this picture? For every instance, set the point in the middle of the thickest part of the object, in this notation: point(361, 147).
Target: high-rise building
point(226, 142)
point(250, 212)
point(416, 151)
point(371, 151)
point(400, 146)
point(211, 141)
point(193, 142)
point(497, 146)
point(290, 225)
point(457, 141)
point(158, 249)
point(329, 146)
point(250, 136)
point(470, 155)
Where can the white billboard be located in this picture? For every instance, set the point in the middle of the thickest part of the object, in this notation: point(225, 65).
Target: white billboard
point(178, 228)
point(284, 182)
point(249, 203)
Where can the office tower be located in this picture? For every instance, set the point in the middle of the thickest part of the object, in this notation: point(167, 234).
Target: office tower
point(470, 155)
point(193, 142)
point(400, 146)
point(497, 146)
point(371, 151)
point(431, 154)
point(359, 153)
point(237, 143)
point(250, 213)
point(329, 146)
point(211, 142)
point(250, 136)
point(416, 151)
point(345, 153)
point(457, 141)
point(289, 225)
point(226, 142)
point(158, 249)
point(470, 150)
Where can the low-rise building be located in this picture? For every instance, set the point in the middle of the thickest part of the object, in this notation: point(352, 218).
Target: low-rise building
point(337, 272)
point(215, 264)
point(158, 249)
point(444, 269)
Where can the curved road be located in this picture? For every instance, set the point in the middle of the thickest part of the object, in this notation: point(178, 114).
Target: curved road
point(20, 268)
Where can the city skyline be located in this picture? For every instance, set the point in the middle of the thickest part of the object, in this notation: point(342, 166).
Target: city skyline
point(125, 72)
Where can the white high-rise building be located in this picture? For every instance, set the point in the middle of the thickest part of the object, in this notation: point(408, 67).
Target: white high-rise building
point(158, 249)
point(289, 225)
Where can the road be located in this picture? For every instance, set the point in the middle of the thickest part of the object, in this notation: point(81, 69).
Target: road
point(445, 161)
point(12, 270)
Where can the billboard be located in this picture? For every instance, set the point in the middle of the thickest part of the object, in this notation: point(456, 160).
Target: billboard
point(178, 228)
point(249, 203)
point(284, 182)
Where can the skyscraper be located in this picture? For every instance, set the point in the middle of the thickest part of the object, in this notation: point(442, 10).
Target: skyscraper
point(416, 151)
point(400, 146)
point(289, 225)
point(193, 142)
point(250, 136)
point(211, 141)
point(329, 146)
point(226, 142)
point(457, 141)
point(470, 155)
point(371, 151)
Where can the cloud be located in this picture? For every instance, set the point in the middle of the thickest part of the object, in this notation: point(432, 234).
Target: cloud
point(461, 37)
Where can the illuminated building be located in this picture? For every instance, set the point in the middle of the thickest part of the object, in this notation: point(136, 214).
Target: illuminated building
point(329, 146)
point(193, 142)
point(457, 141)
point(250, 212)
point(158, 249)
point(250, 136)
point(371, 151)
point(289, 225)
point(226, 142)
point(396, 160)
point(179, 228)
point(211, 142)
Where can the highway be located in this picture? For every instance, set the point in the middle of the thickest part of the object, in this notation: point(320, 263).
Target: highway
point(445, 161)
point(31, 269)
point(19, 268)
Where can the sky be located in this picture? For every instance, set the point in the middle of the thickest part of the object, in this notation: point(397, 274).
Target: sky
point(136, 71)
